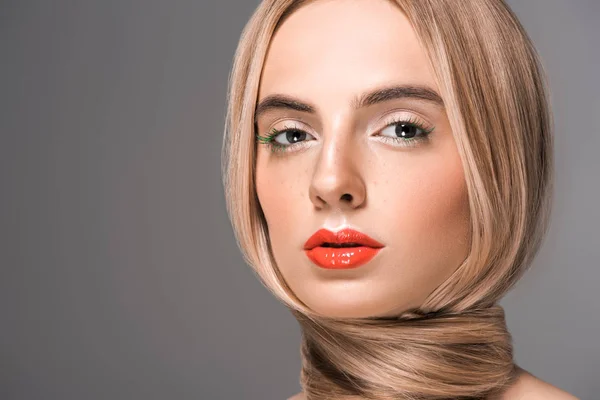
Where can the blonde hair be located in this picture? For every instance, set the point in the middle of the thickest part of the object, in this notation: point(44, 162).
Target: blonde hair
point(456, 344)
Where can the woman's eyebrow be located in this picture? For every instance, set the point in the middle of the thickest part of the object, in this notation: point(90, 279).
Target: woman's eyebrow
point(398, 92)
point(280, 101)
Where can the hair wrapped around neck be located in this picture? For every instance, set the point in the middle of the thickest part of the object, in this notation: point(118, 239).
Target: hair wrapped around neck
point(436, 355)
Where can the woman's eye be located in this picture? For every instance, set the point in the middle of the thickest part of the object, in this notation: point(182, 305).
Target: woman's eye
point(285, 140)
point(404, 130)
point(290, 137)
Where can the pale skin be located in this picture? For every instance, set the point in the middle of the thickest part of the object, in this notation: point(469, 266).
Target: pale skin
point(346, 165)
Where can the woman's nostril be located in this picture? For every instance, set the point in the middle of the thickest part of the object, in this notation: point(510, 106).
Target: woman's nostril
point(347, 197)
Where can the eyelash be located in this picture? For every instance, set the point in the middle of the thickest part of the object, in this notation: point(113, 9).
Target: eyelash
point(269, 139)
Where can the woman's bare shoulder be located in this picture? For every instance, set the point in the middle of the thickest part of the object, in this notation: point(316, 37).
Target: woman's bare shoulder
point(530, 387)
point(527, 387)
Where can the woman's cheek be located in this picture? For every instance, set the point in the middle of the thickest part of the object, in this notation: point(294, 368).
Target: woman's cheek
point(424, 207)
point(281, 198)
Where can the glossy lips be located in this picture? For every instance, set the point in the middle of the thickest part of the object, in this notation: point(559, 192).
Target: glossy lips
point(319, 251)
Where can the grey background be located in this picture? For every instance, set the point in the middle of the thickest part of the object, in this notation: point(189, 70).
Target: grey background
point(120, 277)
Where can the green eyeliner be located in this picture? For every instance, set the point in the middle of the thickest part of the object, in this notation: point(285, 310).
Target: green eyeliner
point(268, 137)
point(267, 140)
point(263, 139)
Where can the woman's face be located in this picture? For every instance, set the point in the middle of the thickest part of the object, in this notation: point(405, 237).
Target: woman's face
point(370, 148)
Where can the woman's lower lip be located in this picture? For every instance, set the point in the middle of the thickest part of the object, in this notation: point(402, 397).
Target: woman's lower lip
point(341, 257)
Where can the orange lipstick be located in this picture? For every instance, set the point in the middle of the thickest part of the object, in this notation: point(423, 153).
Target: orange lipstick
point(343, 249)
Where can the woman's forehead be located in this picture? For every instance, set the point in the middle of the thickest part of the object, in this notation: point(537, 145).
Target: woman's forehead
point(343, 47)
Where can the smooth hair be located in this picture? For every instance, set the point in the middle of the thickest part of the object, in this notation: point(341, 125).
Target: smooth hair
point(456, 344)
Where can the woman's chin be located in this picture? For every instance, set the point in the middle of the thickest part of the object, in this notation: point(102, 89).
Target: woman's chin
point(340, 303)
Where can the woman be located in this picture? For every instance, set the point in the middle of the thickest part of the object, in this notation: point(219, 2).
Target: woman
point(387, 167)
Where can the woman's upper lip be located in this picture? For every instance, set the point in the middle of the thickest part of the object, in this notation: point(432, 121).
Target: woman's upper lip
point(347, 235)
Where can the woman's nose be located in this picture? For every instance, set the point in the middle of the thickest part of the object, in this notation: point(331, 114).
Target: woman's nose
point(337, 182)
